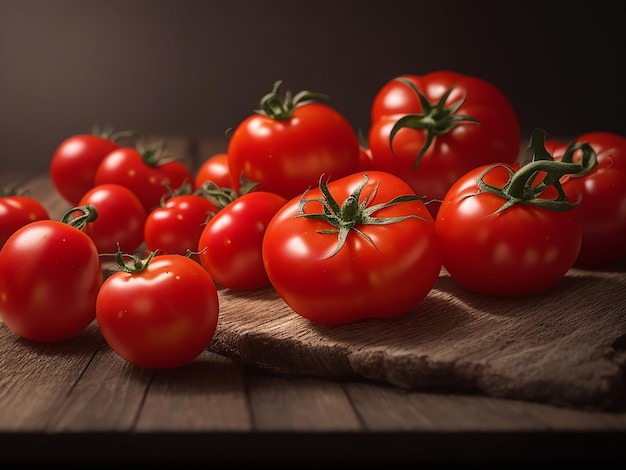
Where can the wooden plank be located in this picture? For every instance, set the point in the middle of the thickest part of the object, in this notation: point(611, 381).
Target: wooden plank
point(281, 404)
point(36, 378)
point(395, 409)
point(563, 347)
point(206, 395)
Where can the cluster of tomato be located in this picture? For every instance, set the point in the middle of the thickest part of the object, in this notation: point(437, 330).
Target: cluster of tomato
point(342, 228)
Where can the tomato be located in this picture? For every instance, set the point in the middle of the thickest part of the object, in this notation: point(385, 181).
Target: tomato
point(503, 234)
point(120, 221)
point(149, 174)
point(442, 125)
point(17, 210)
point(286, 146)
point(162, 313)
point(602, 196)
point(333, 261)
point(50, 274)
point(76, 159)
point(175, 227)
point(215, 169)
point(230, 244)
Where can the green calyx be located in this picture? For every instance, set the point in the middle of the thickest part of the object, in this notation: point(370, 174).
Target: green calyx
point(436, 118)
point(136, 264)
point(351, 213)
point(522, 186)
point(107, 133)
point(88, 213)
point(154, 155)
point(273, 106)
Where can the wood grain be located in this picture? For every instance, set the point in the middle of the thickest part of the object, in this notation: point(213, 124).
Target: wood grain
point(564, 347)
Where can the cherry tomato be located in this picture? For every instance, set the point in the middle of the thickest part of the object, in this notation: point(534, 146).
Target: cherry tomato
point(76, 159)
point(230, 245)
point(146, 173)
point(50, 274)
point(175, 227)
point(16, 211)
point(504, 234)
point(441, 125)
point(287, 145)
point(215, 169)
point(601, 196)
point(120, 221)
point(362, 246)
point(162, 313)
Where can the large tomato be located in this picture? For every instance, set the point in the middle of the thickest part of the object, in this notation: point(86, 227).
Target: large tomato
point(17, 210)
point(362, 246)
point(508, 230)
point(287, 145)
point(76, 159)
point(602, 198)
point(431, 129)
point(120, 221)
point(159, 312)
point(50, 273)
point(230, 244)
point(146, 172)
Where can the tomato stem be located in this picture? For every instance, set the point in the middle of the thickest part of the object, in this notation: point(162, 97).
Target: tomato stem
point(271, 104)
point(436, 118)
point(88, 214)
point(521, 187)
point(352, 212)
point(138, 264)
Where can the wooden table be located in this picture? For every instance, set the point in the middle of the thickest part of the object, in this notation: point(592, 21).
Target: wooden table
point(77, 401)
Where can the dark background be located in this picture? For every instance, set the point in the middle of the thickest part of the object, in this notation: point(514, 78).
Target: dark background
point(197, 68)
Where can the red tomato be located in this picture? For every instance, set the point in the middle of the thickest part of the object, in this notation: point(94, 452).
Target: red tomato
point(16, 211)
point(287, 145)
point(215, 169)
point(230, 245)
point(442, 125)
point(76, 159)
point(375, 260)
point(121, 218)
point(517, 249)
point(50, 274)
point(175, 227)
point(145, 173)
point(162, 315)
point(602, 196)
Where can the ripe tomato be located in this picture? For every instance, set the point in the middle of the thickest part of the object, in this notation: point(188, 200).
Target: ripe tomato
point(230, 244)
point(147, 173)
point(50, 274)
point(505, 233)
point(602, 196)
point(76, 159)
point(333, 261)
point(286, 146)
point(120, 221)
point(441, 125)
point(215, 169)
point(162, 313)
point(17, 210)
point(175, 227)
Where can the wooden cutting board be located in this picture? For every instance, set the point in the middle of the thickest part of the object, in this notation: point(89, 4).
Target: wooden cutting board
point(565, 347)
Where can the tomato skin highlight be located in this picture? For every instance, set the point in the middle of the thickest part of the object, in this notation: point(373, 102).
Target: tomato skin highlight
point(230, 244)
point(17, 211)
point(521, 250)
point(162, 317)
point(382, 279)
point(50, 274)
point(602, 199)
point(74, 163)
point(496, 138)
